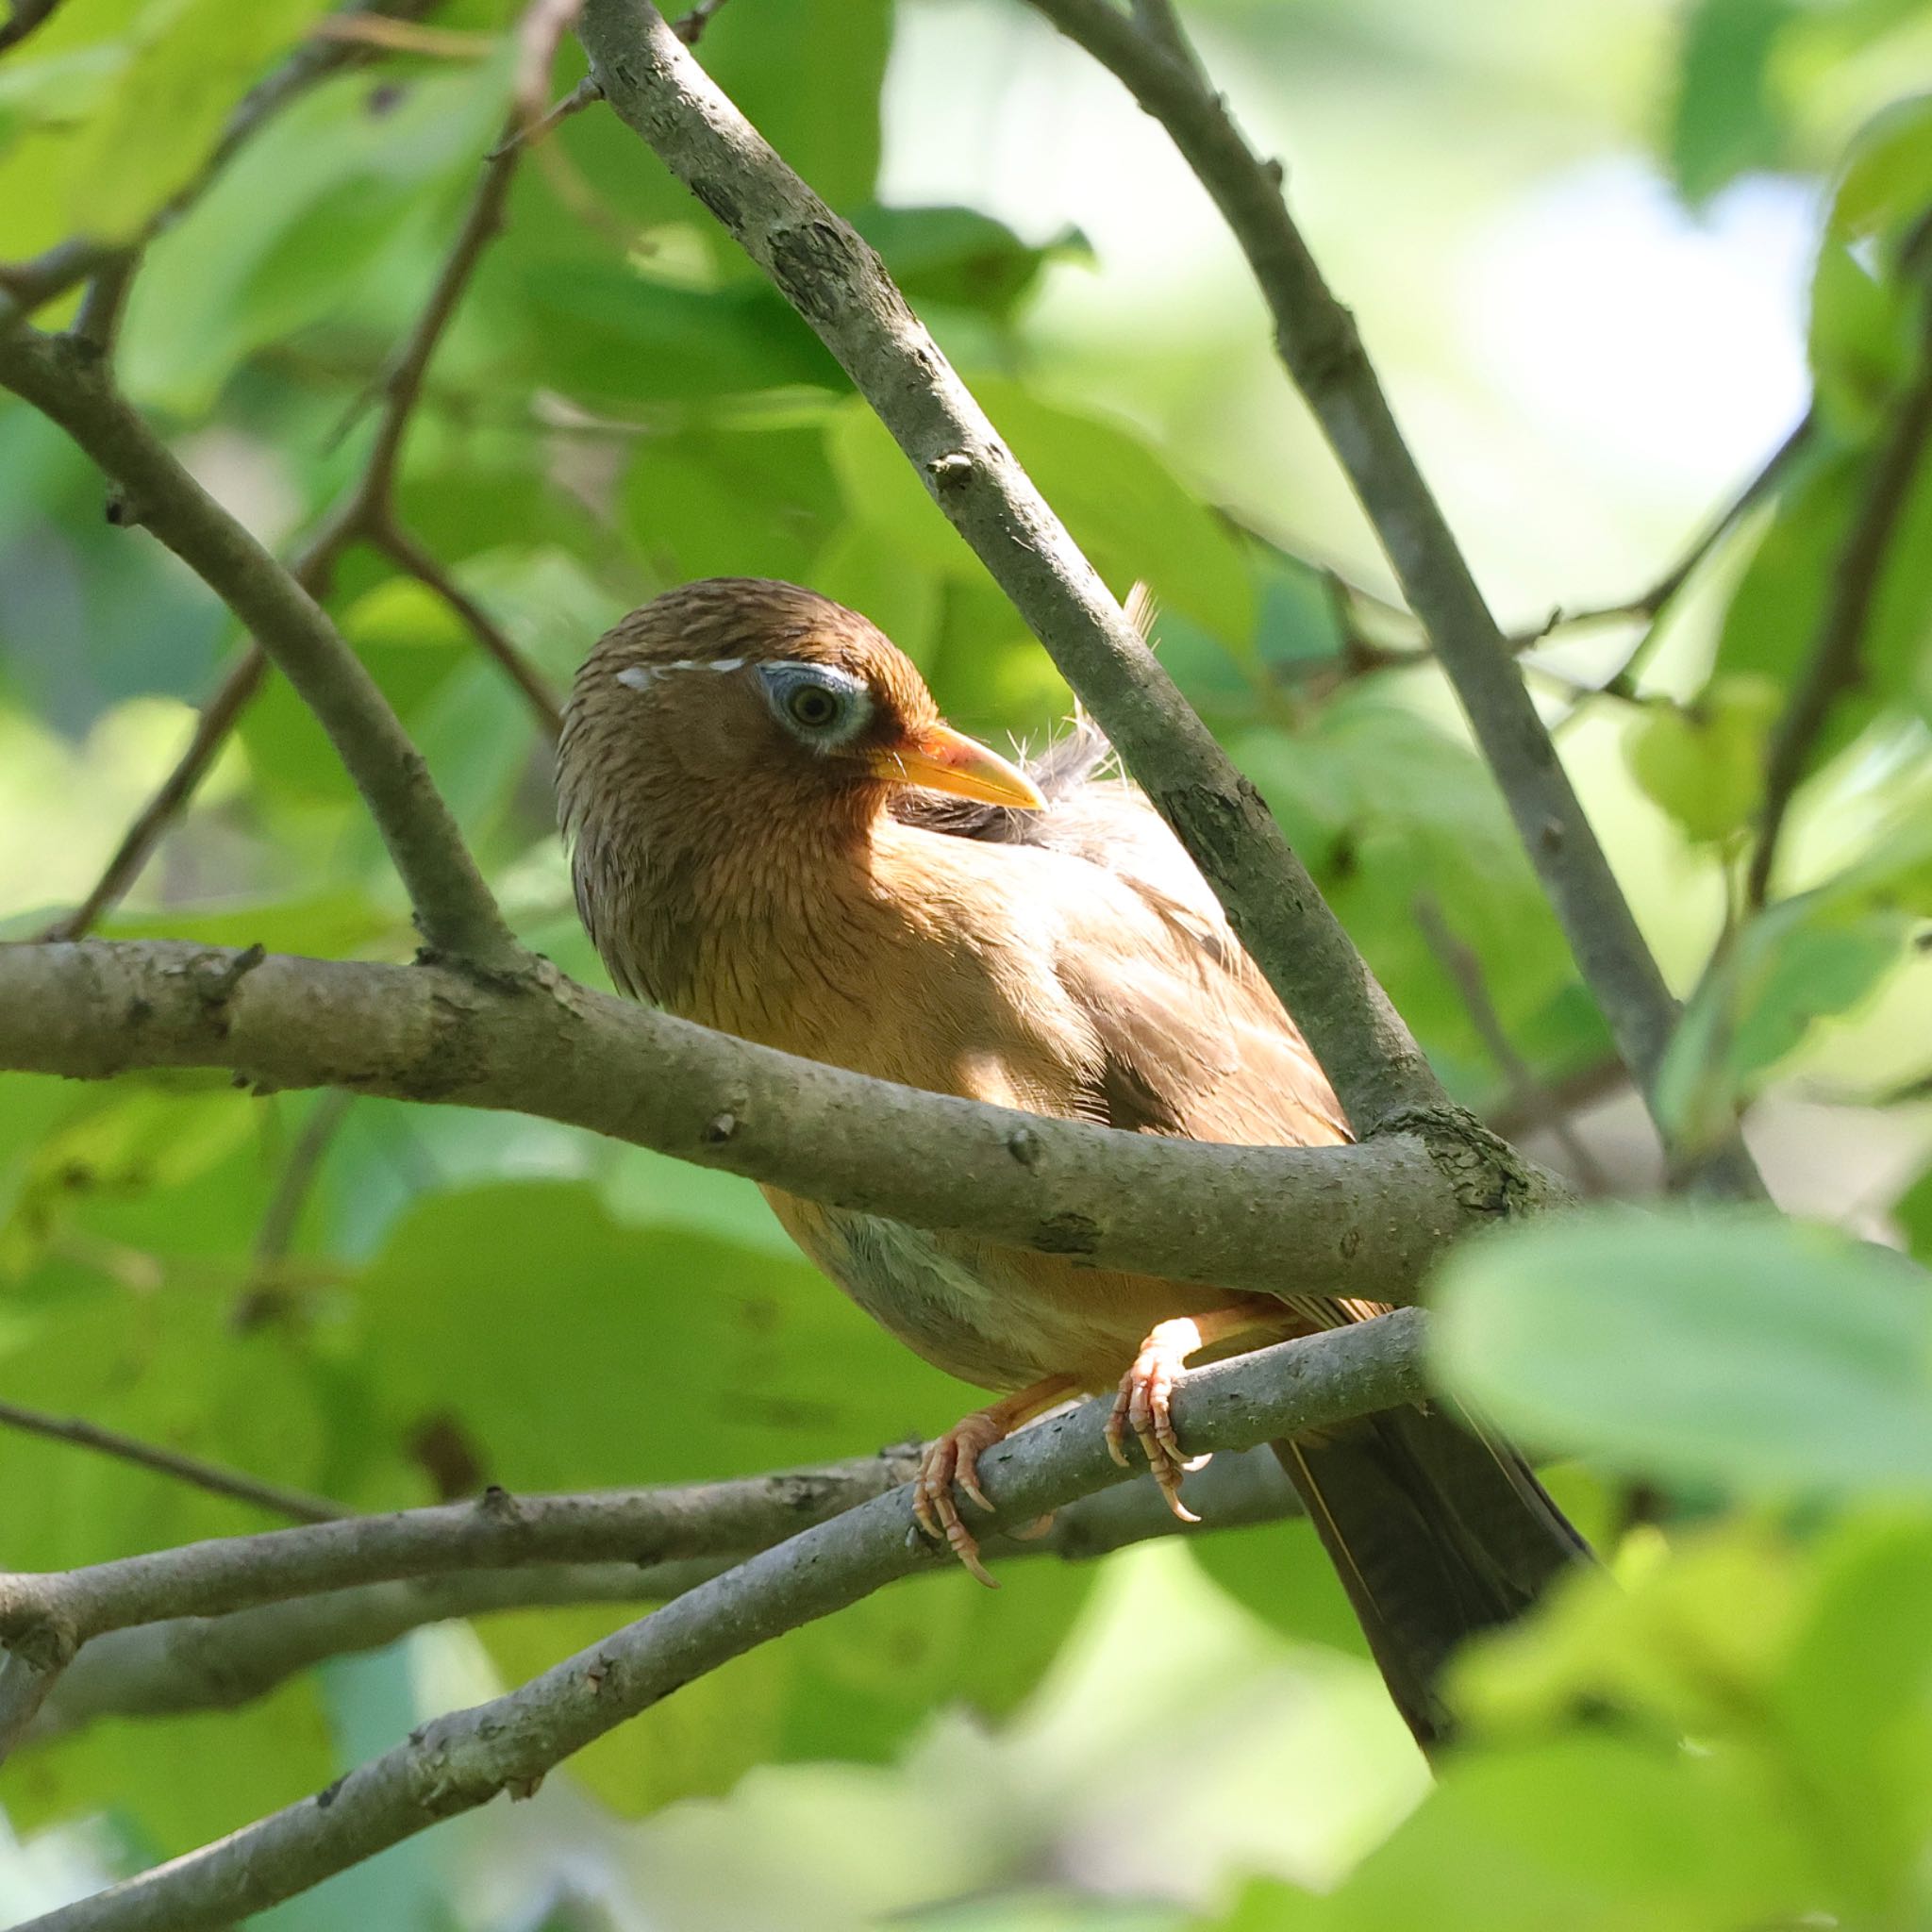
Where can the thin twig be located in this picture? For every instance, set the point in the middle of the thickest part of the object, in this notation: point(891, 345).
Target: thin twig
point(1322, 349)
point(192, 1470)
point(276, 1233)
point(386, 36)
point(27, 15)
point(1836, 663)
point(1530, 1101)
point(690, 27)
point(411, 558)
point(527, 134)
point(458, 1762)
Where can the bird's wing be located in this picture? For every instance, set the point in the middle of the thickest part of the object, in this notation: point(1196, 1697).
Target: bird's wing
point(1194, 1040)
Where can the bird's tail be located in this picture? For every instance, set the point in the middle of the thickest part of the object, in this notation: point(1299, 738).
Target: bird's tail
point(1437, 1533)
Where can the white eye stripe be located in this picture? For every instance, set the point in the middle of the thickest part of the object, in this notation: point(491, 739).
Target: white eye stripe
point(641, 676)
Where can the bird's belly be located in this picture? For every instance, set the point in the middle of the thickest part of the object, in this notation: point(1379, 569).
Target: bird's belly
point(992, 1315)
point(961, 1317)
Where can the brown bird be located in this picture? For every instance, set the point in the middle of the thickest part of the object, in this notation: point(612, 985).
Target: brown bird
point(774, 834)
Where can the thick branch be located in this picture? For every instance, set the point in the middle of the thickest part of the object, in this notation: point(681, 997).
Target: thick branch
point(839, 287)
point(458, 1762)
point(201, 1663)
point(1319, 342)
point(1340, 1221)
point(67, 382)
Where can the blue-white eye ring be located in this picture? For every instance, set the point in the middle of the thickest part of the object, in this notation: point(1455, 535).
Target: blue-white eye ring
point(819, 703)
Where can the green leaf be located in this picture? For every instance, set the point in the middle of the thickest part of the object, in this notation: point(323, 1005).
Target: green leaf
point(1591, 1833)
point(348, 197)
point(1855, 1712)
point(719, 500)
point(1802, 962)
point(960, 257)
point(1124, 508)
point(1704, 762)
point(1727, 119)
point(1772, 627)
point(1685, 1646)
point(193, 60)
point(1729, 1348)
point(1860, 339)
point(653, 1356)
point(1886, 182)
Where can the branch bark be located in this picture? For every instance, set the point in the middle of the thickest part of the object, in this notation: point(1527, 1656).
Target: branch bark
point(1334, 1221)
point(460, 1762)
point(1323, 350)
point(218, 1663)
point(840, 288)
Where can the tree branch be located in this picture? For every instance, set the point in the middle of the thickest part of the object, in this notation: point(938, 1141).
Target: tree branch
point(1318, 341)
point(1529, 1101)
point(67, 382)
point(25, 16)
point(460, 1762)
point(840, 288)
point(202, 1663)
point(192, 1470)
point(412, 559)
point(367, 512)
point(276, 1233)
point(1328, 1221)
point(1835, 665)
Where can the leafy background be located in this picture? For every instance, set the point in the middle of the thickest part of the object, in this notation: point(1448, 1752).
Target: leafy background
point(1608, 255)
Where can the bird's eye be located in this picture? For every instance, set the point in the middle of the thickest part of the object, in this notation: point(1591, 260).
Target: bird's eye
point(813, 706)
point(822, 706)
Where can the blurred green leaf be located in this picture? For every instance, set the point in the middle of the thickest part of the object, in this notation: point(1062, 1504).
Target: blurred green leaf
point(1730, 1348)
point(1589, 1832)
point(1670, 1648)
point(720, 500)
point(1886, 182)
point(347, 195)
point(1704, 762)
point(1801, 961)
point(1130, 514)
point(1728, 117)
point(189, 63)
point(652, 1356)
point(960, 257)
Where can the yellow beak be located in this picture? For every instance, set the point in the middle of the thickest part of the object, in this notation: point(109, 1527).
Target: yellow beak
point(943, 760)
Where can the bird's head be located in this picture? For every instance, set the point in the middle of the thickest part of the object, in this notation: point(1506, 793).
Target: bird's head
point(740, 689)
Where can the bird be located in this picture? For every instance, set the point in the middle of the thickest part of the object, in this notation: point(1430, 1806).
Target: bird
point(773, 832)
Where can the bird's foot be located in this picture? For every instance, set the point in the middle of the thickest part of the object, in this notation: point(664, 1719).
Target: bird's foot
point(1144, 1405)
point(953, 1462)
point(954, 1459)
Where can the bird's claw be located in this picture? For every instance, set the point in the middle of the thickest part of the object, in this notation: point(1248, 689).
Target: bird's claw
point(1144, 1405)
point(953, 1460)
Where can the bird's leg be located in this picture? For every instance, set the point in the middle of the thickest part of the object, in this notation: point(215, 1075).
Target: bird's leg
point(954, 1457)
point(1144, 1403)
